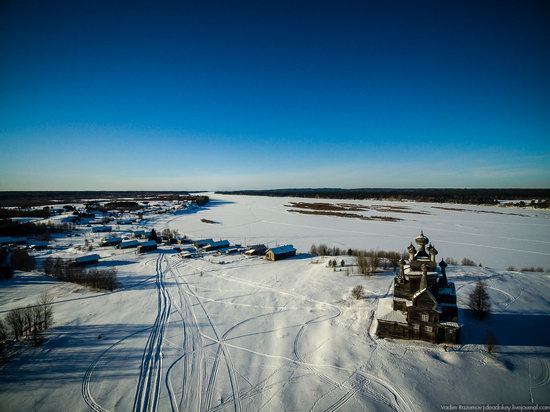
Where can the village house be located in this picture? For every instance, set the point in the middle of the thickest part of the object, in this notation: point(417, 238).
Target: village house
point(256, 250)
point(127, 244)
point(37, 244)
point(148, 246)
point(216, 245)
point(86, 260)
point(424, 301)
point(111, 241)
point(202, 242)
point(99, 229)
point(280, 252)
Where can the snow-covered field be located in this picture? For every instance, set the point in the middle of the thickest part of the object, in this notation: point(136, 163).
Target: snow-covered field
point(240, 333)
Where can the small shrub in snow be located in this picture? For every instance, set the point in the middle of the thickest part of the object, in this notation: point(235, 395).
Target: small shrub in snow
point(532, 269)
point(357, 292)
point(511, 269)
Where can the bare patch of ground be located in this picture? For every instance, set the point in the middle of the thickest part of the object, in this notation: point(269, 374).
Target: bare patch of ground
point(344, 214)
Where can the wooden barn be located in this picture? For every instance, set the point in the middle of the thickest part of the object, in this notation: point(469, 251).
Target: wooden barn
point(127, 244)
point(148, 246)
point(86, 260)
point(216, 245)
point(100, 229)
point(280, 252)
point(111, 241)
point(424, 301)
point(37, 245)
point(202, 242)
point(256, 250)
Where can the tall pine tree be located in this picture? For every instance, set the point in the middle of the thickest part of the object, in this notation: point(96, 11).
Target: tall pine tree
point(480, 302)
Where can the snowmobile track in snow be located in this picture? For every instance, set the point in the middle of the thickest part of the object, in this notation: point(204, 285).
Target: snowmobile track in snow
point(149, 384)
point(207, 398)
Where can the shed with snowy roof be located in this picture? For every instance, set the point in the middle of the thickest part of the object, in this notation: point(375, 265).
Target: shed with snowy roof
point(86, 260)
point(280, 252)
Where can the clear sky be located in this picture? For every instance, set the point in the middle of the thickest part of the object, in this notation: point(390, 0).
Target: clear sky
point(269, 94)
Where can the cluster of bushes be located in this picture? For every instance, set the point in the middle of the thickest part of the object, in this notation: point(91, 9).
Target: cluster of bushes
point(334, 263)
point(536, 204)
point(9, 227)
point(26, 323)
point(528, 269)
point(18, 259)
point(468, 262)
point(170, 234)
point(122, 205)
point(96, 278)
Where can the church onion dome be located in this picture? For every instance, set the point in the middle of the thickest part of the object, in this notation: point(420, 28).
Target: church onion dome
point(442, 264)
point(411, 248)
point(421, 239)
point(432, 250)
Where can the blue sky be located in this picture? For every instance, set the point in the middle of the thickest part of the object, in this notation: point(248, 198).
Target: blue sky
point(239, 95)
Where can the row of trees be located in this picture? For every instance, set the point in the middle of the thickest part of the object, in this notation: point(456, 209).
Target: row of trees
point(105, 279)
point(18, 259)
point(367, 260)
point(26, 323)
point(10, 227)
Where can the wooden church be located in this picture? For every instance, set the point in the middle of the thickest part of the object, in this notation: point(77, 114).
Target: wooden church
point(424, 301)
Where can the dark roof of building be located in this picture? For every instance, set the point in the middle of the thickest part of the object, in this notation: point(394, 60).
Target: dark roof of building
point(283, 249)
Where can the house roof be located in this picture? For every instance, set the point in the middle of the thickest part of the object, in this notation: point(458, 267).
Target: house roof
point(102, 228)
point(283, 249)
point(113, 239)
point(203, 241)
point(394, 316)
point(219, 243)
point(87, 258)
point(432, 297)
point(130, 243)
point(148, 243)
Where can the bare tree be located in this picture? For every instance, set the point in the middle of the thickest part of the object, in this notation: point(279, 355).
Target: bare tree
point(313, 250)
point(3, 331)
point(46, 309)
point(15, 322)
point(480, 302)
point(363, 263)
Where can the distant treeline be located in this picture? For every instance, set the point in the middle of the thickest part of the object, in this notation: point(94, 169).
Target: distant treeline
point(41, 198)
point(463, 196)
point(9, 213)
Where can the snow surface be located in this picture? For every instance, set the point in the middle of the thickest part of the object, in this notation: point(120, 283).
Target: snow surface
point(242, 333)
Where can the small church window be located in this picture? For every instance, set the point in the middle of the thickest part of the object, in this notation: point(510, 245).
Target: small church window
point(425, 318)
point(428, 329)
point(416, 326)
